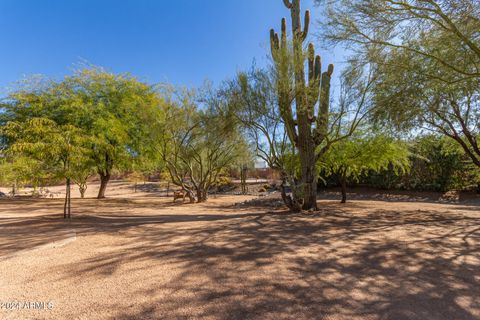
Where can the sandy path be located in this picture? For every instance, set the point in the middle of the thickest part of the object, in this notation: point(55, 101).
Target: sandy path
point(144, 258)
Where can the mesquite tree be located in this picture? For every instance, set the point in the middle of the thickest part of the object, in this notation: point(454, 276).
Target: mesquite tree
point(114, 110)
point(306, 131)
point(60, 148)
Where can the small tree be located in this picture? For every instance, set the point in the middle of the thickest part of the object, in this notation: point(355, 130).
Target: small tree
point(196, 145)
point(17, 171)
point(117, 112)
point(82, 168)
point(56, 146)
point(363, 154)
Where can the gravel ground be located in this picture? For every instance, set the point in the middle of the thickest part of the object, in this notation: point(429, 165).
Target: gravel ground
point(141, 257)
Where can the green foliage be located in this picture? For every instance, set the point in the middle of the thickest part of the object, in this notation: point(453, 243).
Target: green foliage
point(197, 143)
point(363, 154)
point(112, 113)
point(60, 148)
point(19, 171)
point(437, 164)
point(425, 56)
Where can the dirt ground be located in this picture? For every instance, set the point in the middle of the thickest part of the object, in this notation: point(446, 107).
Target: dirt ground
point(139, 256)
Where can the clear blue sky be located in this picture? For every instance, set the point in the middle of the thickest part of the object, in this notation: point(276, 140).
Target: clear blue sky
point(180, 41)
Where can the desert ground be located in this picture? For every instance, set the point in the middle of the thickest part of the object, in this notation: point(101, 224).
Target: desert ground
point(140, 256)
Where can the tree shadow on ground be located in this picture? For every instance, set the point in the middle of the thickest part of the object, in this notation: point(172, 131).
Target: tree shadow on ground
point(346, 262)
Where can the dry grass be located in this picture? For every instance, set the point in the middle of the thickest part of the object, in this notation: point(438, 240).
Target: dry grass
point(142, 257)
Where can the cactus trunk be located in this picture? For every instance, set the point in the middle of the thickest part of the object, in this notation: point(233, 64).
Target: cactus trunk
point(307, 131)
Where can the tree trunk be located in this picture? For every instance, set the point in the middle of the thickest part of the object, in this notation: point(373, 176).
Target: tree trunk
point(190, 196)
point(104, 178)
point(243, 179)
point(14, 188)
point(343, 184)
point(201, 195)
point(66, 205)
point(308, 181)
point(69, 197)
point(291, 201)
point(66, 200)
point(82, 188)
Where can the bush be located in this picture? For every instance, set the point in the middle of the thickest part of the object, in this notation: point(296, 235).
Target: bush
point(437, 164)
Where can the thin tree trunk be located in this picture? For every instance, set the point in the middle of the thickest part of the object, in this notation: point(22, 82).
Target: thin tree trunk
point(69, 197)
point(243, 179)
point(66, 199)
point(104, 179)
point(14, 188)
point(343, 184)
point(82, 188)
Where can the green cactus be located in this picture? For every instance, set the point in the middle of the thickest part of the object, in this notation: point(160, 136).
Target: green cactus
point(308, 130)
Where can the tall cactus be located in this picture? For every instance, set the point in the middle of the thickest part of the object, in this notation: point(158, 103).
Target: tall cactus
point(307, 131)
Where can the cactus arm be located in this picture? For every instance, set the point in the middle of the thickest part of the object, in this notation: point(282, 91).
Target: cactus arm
point(279, 50)
point(322, 119)
point(287, 3)
point(306, 24)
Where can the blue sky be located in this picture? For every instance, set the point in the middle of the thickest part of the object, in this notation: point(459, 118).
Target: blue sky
point(179, 41)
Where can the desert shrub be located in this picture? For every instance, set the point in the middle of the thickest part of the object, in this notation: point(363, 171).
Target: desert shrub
point(223, 183)
point(437, 164)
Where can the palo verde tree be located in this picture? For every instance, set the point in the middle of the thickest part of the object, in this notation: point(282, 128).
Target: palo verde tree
point(408, 100)
point(427, 58)
point(196, 144)
point(363, 154)
point(297, 100)
point(444, 33)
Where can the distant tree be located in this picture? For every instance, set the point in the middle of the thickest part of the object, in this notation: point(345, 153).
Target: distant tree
point(82, 168)
point(244, 161)
point(364, 154)
point(17, 171)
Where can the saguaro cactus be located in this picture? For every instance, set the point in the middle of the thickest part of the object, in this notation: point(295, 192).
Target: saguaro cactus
point(305, 130)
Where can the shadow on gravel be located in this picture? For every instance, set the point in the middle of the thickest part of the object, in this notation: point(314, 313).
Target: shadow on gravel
point(345, 262)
